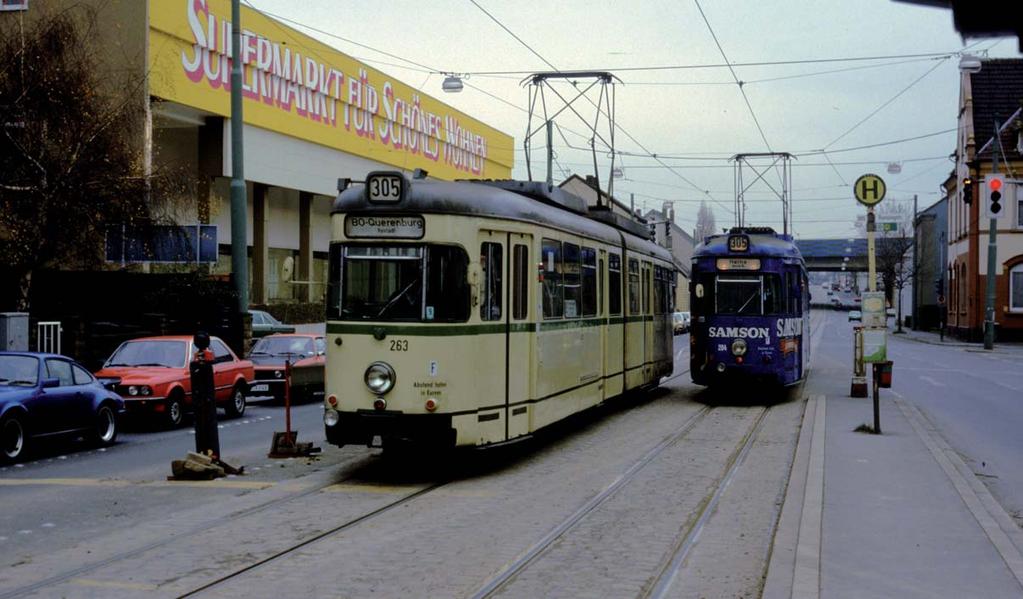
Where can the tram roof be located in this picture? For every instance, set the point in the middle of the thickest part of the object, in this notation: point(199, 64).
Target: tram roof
point(481, 199)
point(765, 244)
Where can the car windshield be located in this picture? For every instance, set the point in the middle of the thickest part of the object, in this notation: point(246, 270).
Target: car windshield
point(168, 354)
point(283, 346)
point(19, 370)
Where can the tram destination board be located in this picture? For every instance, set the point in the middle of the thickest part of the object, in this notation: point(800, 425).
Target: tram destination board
point(388, 227)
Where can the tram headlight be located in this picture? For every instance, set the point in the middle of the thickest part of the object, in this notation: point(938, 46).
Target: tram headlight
point(330, 417)
point(739, 347)
point(380, 377)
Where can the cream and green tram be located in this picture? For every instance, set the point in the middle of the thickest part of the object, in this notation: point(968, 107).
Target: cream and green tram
point(474, 313)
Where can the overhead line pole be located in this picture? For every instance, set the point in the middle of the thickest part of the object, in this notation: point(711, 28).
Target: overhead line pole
point(992, 257)
point(239, 212)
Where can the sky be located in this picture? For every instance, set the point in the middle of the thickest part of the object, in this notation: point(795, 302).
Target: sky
point(695, 118)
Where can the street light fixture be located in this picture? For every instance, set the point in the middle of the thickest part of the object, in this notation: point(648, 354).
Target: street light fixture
point(452, 84)
point(969, 63)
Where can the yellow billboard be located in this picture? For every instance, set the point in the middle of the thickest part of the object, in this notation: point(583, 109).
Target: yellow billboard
point(297, 86)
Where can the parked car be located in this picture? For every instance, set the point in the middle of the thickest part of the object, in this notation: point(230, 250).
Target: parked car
point(307, 354)
point(263, 324)
point(855, 316)
point(151, 375)
point(678, 323)
point(46, 395)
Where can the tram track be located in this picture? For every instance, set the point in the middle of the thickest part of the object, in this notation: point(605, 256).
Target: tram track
point(186, 533)
point(667, 576)
point(312, 540)
point(674, 559)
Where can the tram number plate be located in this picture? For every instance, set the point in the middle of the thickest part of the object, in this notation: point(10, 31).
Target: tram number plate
point(738, 243)
point(399, 344)
point(385, 188)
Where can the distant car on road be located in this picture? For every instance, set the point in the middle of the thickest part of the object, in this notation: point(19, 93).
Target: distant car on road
point(855, 316)
point(46, 395)
point(307, 354)
point(680, 322)
point(263, 324)
point(151, 375)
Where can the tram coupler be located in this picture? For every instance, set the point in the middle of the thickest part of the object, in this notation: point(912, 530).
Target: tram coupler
point(285, 444)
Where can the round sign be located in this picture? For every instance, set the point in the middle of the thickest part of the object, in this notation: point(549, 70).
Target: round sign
point(869, 189)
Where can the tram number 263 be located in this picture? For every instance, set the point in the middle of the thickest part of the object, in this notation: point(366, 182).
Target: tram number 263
point(399, 344)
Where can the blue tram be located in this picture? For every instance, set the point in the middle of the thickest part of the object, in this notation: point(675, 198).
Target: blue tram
point(751, 309)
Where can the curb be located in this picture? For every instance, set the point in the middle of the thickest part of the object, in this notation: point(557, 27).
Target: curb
point(794, 566)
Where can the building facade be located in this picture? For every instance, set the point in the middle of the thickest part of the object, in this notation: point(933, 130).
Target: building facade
point(929, 293)
point(312, 115)
point(992, 94)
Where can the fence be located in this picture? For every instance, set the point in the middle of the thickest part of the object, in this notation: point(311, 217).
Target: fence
point(48, 336)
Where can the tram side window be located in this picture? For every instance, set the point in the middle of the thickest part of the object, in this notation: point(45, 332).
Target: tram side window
point(774, 294)
point(589, 263)
point(571, 279)
point(447, 284)
point(492, 259)
point(633, 286)
point(600, 286)
point(658, 291)
point(614, 285)
point(552, 287)
point(520, 291)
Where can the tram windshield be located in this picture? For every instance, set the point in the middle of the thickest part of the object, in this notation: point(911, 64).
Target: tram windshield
point(423, 283)
point(748, 295)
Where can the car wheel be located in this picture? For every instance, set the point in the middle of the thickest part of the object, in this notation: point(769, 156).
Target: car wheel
point(13, 440)
point(175, 410)
point(236, 404)
point(105, 432)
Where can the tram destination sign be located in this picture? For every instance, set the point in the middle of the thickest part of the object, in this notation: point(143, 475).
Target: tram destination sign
point(388, 227)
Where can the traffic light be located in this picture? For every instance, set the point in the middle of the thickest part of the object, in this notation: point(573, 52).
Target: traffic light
point(994, 187)
point(968, 190)
point(938, 286)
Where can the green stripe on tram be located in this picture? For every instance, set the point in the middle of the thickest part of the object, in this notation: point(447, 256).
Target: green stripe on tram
point(451, 330)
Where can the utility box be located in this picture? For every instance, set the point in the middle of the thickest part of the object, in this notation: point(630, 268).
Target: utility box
point(13, 331)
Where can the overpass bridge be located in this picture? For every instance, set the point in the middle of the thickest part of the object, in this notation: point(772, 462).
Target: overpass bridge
point(830, 255)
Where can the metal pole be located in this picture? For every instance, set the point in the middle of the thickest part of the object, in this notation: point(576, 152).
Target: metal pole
point(871, 264)
point(239, 211)
point(550, 156)
point(916, 316)
point(877, 403)
point(992, 255)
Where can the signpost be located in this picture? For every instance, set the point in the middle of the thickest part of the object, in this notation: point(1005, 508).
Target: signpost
point(870, 342)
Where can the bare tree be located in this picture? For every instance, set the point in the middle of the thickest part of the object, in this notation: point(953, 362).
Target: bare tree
point(70, 163)
point(705, 225)
point(895, 265)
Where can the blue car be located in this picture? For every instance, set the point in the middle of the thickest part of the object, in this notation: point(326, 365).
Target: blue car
point(46, 395)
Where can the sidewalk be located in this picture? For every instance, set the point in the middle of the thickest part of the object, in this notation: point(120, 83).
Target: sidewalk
point(932, 338)
point(891, 515)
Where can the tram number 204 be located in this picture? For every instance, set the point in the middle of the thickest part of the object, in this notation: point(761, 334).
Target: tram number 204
point(384, 188)
point(399, 344)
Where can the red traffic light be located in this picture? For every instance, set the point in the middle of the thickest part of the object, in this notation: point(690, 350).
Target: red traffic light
point(994, 184)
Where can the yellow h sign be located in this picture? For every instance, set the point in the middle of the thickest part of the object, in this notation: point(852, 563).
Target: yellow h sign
point(869, 189)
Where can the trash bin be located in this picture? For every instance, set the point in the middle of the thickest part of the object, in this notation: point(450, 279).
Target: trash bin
point(884, 374)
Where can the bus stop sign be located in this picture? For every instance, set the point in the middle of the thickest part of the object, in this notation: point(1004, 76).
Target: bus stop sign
point(869, 189)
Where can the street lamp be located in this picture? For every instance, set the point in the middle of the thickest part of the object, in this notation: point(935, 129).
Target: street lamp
point(452, 84)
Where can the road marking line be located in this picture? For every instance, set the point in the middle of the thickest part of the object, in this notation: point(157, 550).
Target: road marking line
point(979, 501)
point(806, 578)
point(113, 584)
point(117, 482)
point(931, 381)
point(353, 488)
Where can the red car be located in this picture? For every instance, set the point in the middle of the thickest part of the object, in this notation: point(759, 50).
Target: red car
point(305, 351)
point(154, 379)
